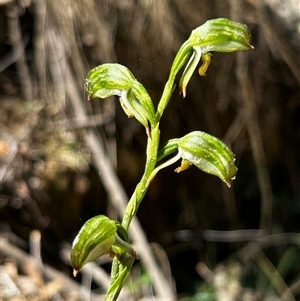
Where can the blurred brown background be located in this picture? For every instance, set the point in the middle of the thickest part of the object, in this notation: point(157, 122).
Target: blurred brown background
point(250, 100)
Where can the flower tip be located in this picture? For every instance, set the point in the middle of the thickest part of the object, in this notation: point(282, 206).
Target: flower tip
point(90, 95)
point(228, 183)
point(182, 91)
point(75, 272)
point(148, 132)
point(133, 254)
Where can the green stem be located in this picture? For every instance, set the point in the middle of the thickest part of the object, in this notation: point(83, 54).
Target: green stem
point(131, 209)
point(153, 139)
point(180, 59)
point(151, 158)
point(141, 188)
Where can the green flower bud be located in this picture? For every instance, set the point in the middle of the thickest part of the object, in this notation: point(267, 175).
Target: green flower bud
point(98, 236)
point(114, 79)
point(221, 35)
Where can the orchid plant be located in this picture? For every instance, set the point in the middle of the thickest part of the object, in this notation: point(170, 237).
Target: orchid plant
point(101, 235)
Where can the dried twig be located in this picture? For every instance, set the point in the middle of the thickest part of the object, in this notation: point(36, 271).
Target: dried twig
point(18, 49)
point(22, 258)
point(273, 275)
point(274, 33)
point(250, 106)
point(232, 236)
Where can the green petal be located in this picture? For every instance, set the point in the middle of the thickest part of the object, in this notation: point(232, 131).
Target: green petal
point(189, 70)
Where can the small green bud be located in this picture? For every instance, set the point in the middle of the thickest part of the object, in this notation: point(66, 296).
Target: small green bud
point(115, 79)
point(221, 35)
point(98, 236)
point(209, 154)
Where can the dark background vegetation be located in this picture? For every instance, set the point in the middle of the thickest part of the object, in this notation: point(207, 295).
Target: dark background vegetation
point(250, 100)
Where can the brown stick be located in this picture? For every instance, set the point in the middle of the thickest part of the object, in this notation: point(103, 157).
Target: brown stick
point(21, 257)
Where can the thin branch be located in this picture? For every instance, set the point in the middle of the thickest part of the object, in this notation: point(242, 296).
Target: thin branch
point(273, 275)
point(250, 107)
point(18, 50)
point(295, 287)
point(21, 257)
point(39, 46)
point(11, 57)
point(232, 236)
point(274, 34)
point(252, 235)
point(92, 121)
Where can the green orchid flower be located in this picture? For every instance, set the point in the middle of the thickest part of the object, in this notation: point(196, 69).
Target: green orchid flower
point(98, 236)
point(220, 35)
point(116, 80)
point(206, 152)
